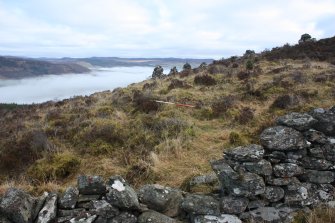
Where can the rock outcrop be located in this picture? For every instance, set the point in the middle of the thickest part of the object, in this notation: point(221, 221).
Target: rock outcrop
point(292, 169)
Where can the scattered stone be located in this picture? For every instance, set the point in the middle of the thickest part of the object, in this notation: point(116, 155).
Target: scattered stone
point(224, 218)
point(248, 153)
point(274, 194)
point(49, 212)
point(104, 209)
point(200, 205)
point(287, 170)
point(319, 177)
point(298, 121)
point(17, 206)
point(91, 185)
point(162, 199)
point(262, 167)
point(120, 194)
point(69, 198)
point(282, 138)
point(233, 205)
point(154, 217)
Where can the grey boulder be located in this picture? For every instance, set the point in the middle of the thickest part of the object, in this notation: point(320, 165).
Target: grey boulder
point(315, 163)
point(248, 153)
point(298, 121)
point(120, 194)
point(297, 194)
point(244, 184)
point(325, 122)
point(49, 211)
point(104, 209)
point(18, 206)
point(315, 136)
point(200, 205)
point(69, 199)
point(268, 215)
point(91, 185)
point(282, 138)
point(84, 219)
point(224, 218)
point(287, 170)
point(233, 205)
point(262, 167)
point(281, 181)
point(273, 194)
point(319, 177)
point(162, 199)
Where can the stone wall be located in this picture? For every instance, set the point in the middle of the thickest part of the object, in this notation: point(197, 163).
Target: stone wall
point(292, 169)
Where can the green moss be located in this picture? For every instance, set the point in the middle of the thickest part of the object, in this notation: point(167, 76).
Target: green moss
point(58, 166)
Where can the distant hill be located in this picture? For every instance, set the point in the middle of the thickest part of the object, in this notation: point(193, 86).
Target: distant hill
point(16, 67)
point(129, 62)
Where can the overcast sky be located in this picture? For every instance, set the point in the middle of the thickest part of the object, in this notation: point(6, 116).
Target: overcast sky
point(158, 28)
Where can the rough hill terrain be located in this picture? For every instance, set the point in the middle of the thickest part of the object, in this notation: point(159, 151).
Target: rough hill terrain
point(125, 132)
point(15, 67)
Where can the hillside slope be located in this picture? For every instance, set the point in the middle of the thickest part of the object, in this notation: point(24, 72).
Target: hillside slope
point(126, 132)
point(15, 68)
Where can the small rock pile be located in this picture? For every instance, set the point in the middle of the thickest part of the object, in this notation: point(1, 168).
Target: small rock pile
point(292, 169)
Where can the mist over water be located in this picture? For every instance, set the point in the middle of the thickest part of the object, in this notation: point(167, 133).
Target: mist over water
point(56, 87)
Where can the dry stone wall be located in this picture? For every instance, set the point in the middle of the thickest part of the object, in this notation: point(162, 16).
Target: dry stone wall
point(293, 169)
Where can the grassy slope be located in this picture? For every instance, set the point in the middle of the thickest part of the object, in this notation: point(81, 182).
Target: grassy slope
point(107, 133)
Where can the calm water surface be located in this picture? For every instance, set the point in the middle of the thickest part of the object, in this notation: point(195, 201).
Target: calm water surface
point(57, 87)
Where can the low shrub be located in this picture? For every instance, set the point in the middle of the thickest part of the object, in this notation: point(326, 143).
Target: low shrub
point(150, 86)
point(285, 101)
point(56, 167)
point(204, 80)
point(221, 105)
point(144, 103)
point(175, 83)
point(243, 75)
point(245, 116)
